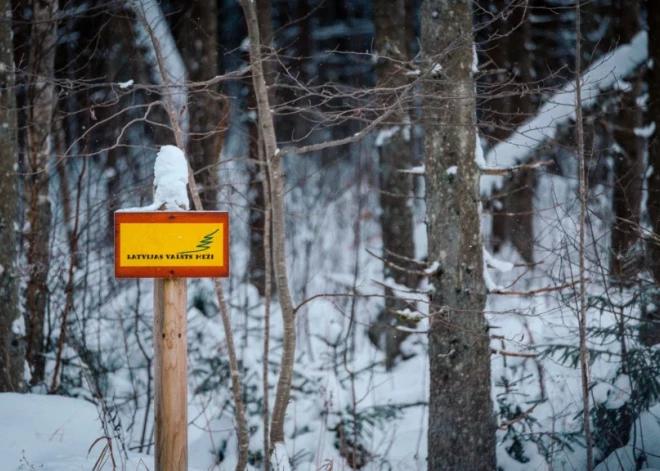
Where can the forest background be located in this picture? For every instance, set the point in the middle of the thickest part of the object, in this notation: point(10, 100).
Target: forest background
point(426, 199)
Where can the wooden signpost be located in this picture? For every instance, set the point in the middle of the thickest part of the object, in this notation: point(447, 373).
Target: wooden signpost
point(169, 247)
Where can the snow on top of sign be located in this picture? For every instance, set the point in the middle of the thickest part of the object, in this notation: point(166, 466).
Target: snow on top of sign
point(170, 179)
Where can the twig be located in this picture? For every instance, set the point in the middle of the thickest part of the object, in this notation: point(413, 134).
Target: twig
point(535, 291)
point(522, 416)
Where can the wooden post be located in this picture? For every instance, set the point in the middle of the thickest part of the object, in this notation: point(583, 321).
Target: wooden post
point(170, 375)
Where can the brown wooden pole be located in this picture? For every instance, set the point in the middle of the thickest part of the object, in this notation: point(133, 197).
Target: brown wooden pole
point(170, 375)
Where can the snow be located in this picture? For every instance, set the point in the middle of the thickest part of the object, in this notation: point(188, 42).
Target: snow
point(433, 268)
point(417, 170)
point(170, 180)
point(385, 135)
point(479, 153)
point(643, 446)
point(18, 325)
point(453, 170)
point(560, 108)
point(174, 66)
point(279, 461)
point(646, 131)
point(54, 433)
point(500, 265)
point(126, 84)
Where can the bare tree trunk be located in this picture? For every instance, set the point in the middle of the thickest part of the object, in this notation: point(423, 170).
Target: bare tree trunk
point(196, 35)
point(257, 173)
point(283, 391)
point(509, 108)
point(582, 187)
point(41, 102)
point(12, 348)
point(628, 158)
point(651, 329)
point(461, 418)
point(396, 219)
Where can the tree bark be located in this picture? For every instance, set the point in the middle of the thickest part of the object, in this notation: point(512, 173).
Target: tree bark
point(12, 348)
point(510, 106)
point(283, 390)
point(651, 335)
point(41, 101)
point(256, 171)
point(461, 420)
point(396, 219)
point(628, 157)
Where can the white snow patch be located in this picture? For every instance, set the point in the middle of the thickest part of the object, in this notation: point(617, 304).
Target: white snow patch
point(646, 131)
point(453, 170)
point(126, 84)
point(384, 135)
point(475, 59)
point(499, 265)
point(479, 153)
point(55, 433)
point(18, 326)
point(280, 460)
point(418, 170)
point(433, 268)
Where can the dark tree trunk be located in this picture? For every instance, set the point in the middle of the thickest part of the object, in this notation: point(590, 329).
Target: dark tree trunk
point(628, 158)
point(12, 349)
point(461, 419)
point(41, 102)
point(651, 331)
point(510, 107)
point(395, 152)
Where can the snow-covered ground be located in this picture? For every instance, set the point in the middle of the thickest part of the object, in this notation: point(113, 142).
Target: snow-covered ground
point(54, 433)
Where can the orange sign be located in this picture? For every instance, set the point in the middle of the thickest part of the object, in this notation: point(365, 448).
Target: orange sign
point(167, 244)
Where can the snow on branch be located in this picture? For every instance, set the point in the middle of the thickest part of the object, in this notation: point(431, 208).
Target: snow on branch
point(560, 108)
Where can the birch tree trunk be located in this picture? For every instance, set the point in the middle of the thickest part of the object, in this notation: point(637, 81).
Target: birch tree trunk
point(11, 345)
point(461, 420)
point(41, 103)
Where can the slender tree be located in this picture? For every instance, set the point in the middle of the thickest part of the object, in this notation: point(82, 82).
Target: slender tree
point(41, 101)
point(11, 345)
point(461, 420)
